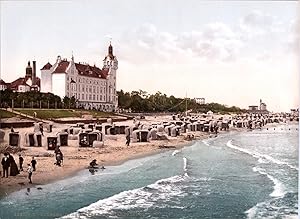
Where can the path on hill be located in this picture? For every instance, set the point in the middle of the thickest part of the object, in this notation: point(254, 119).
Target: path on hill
point(27, 116)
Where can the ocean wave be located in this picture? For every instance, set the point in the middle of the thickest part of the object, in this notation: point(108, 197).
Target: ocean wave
point(274, 208)
point(162, 190)
point(206, 142)
point(175, 152)
point(279, 188)
point(145, 197)
point(261, 157)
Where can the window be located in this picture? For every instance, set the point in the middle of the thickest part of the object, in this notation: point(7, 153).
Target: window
point(94, 89)
point(94, 97)
point(82, 96)
point(97, 97)
point(90, 97)
point(82, 88)
point(86, 97)
point(100, 97)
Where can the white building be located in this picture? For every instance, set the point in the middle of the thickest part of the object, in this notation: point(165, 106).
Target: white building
point(92, 87)
point(199, 100)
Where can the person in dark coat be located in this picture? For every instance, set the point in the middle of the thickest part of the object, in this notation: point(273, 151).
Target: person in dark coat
point(128, 139)
point(13, 166)
point(33, 163)
point(42, 129)
point(21, 160)
point(5, 164)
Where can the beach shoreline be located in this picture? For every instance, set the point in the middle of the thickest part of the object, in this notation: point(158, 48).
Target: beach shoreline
point(76, 159)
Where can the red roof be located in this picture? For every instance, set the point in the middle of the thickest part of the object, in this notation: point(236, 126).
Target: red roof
point(61, 67)
point(83, 69)
point(91, 71)
point(22, 81)
point(47, 66)
point(2, 82)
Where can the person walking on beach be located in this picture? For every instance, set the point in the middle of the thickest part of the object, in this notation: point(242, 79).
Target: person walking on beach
point(29, 170)
point(33, 163)
point(21, 160)
point(128, 139)
point(5, 164)
point(42, 129)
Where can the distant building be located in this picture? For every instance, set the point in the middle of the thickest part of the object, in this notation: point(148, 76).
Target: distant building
point(92, 87)
point(262, 106)
point(24, 84)
point(295, 112)
point(261, 109)
point(3, 85)
point(252, 108)
point(199, 100)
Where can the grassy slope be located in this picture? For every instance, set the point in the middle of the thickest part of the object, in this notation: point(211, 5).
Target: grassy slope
point(6, 114)
point(46, 114)
point(62, 113)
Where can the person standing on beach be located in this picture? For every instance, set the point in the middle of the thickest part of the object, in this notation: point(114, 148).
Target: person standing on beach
point(21, 160)
point(29, 170)
point(128, 139)
point(42, 129)
point(5, 164)
point(33, 163)
point(13, 166)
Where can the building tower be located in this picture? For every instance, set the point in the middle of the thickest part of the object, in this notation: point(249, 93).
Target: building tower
point(110, 63)
point(28, 71)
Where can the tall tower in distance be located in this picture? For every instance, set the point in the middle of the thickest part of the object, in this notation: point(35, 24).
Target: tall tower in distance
point(110, 63)
point(28, 71)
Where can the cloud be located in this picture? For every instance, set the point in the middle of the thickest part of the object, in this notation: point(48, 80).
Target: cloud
point(215, 41)
point(255, 35)
point(293, 39)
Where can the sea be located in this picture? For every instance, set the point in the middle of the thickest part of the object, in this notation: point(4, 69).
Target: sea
point(251, 174)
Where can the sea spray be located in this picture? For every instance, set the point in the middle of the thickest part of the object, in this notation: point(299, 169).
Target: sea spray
point(144, 197)
point(175, 152)
point(259, 156)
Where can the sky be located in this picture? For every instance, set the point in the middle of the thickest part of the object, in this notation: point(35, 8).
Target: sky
point(230, 52)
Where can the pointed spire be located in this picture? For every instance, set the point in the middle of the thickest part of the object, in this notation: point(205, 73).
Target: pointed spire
point(110, 49)
point(72, 57)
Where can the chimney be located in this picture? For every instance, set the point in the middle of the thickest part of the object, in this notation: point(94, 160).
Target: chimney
point(34, 73)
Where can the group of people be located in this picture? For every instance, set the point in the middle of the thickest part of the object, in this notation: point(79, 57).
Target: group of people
point(8, 162)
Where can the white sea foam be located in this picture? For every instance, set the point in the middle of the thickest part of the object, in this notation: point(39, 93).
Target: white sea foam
point(184, 164)
point(175, 152)
point(261, 157)
point(145, 197)
point(205, 142)
point(279, 188)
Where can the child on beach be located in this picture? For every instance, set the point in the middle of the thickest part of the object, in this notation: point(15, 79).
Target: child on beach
point(29, 170)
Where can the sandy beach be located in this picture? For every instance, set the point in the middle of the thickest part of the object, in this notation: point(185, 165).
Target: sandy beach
point(77, 158)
